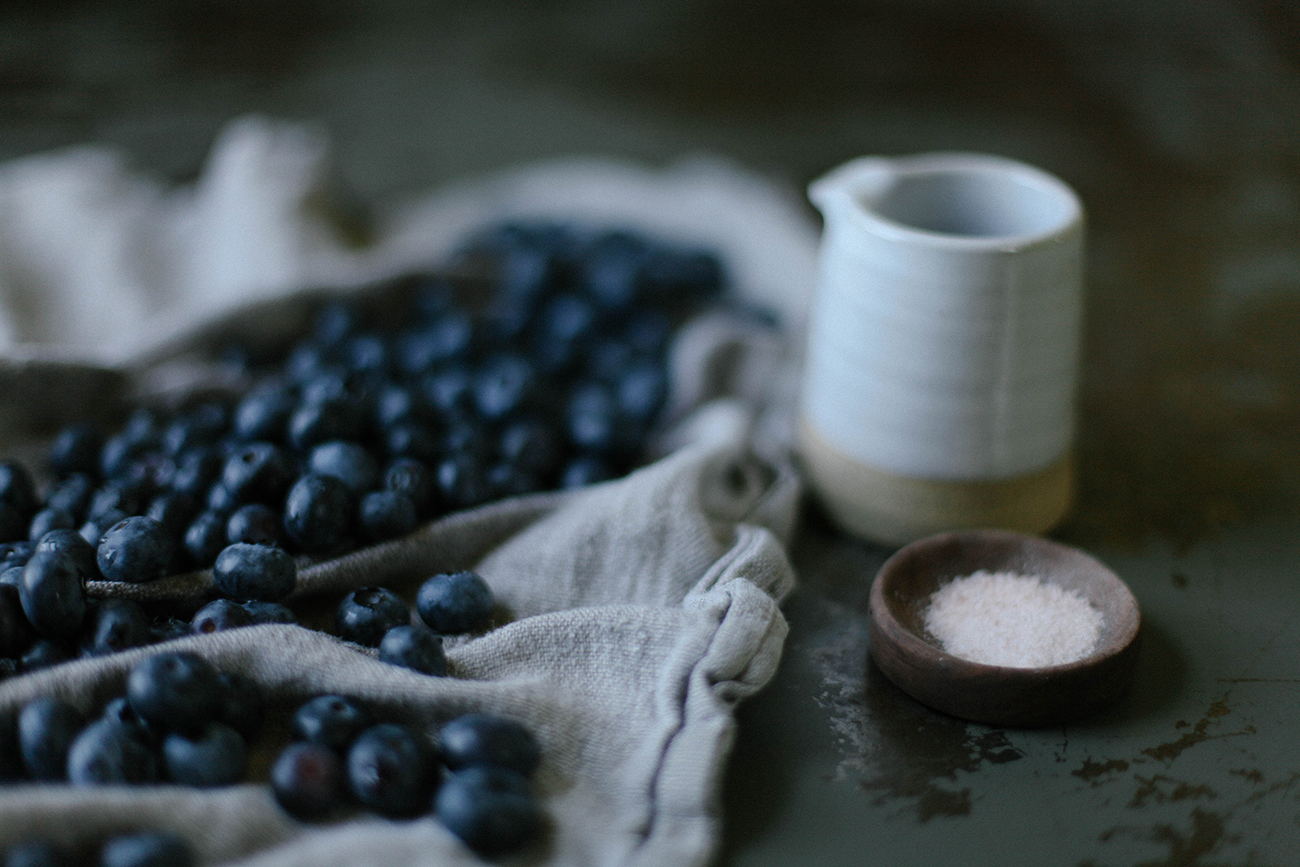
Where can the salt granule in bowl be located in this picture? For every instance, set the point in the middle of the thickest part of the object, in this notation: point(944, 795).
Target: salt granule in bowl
point(1021, 621)
point(1003, 628)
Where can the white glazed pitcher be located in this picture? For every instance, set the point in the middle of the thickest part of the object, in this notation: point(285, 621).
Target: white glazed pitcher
point(943, 346)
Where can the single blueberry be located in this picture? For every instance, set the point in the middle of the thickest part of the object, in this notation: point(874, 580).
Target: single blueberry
point(460, 481)
point(586, 470)
point(449, 390)
point(319, 513)
point(218, 616)
point(73, 544)
point(397, 404)
point(147, 849)
point(17, 488)
point(117, 495)
point(531, 445)
point(387, 515)
point(268, 612)
point(414, 647)
point(53, 594)
point(503, 385)
point(178, 690)
point(308, 780)
point(73, 494)
point(367, 354)
point(255, 523)
point(642, 390)
point(592, 419)
point(366, 614)
point(330, 720)
point(48, 519)
point(612, 268)
point(45, 653)
point(205, 538)
point(411, 441)
point(242, 706)
point(411, 477)
point(455, 603)
point(119, 710)
point(201, 426)
point(490, 808)
point(16, 553)
point(264, 415)
point(349, 462)
point(335, 322)
point(136, 550)
point(391, 770)
point(215, 755)
point(47, 727)
point(245, 571)
point(174, 510)
point(480, 738)
point(16, 633)
point(196, 470)
point(109, 752)
point(506, 480)
point(38, 853)
point(258, 472)
point(12, 576)
point(221, 499)
point(118, 624)
point(314, 423)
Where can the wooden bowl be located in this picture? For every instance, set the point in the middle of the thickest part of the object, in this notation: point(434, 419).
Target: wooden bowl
point(910, 657)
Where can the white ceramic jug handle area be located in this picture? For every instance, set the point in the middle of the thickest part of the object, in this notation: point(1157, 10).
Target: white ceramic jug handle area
point(943, 344)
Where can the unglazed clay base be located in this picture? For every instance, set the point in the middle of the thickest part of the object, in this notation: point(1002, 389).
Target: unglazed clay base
point(896, 509)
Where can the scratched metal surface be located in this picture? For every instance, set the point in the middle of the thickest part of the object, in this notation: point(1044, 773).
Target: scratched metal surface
point(1178, 123)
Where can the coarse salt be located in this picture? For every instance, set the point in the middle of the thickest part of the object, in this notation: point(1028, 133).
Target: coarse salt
point(1014, 620)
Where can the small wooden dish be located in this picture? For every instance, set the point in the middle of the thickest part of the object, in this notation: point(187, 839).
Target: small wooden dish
point(910, 657)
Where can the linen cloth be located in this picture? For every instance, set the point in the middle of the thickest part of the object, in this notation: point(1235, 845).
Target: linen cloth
point(632, 615)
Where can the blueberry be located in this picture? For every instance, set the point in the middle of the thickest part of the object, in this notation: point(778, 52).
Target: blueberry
point(258, 472)
point(268, 612)
point(244, 571)
point(451, 604)
point(221, 499)
point(410, 441)
point(118, 495)
point(387, 515)
point(481, 738)
point(612, 269)
point(16, 553)
point(319, 513)
point(73, 544)
point(206, 538)
point(147, 849)
point(118, 624)
point(506, 480)
point(307, 780)
point(93, 530)
point(16, 633)
point(593, 421)
point(218, 616)
point(330, 720)
point(119, 710)
point(502, 386)
point(109, 752)
point(174, 510)
point(255, 523)
point(215, 755)
point(445, 339)
point(12, 576)
point(196, 470)
point(45, 653)
point(315, 423)
point(585, 470)
point(490, 808)
point(449, 390)
point(178, 690)
point(53, 595)
point(38, 853)
point(73, 494)
point(50, 519)
point(414, 647)
point(642, 390)
point(46, 729)
point(346, 461)
point(135, 550)
point(121, 450)
point(529, 444)
point(264, 415)
point(410, 477)
point(365, 615)
point(242, 707)
point(460, 481)
point(391, 770)
point(202, 426)
point(170, 628)
point(396, 404)
point(367, 354)
point(17, 488)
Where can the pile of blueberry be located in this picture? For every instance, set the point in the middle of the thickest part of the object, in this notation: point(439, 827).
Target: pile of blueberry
point(382, 417)
point(140, 849)
point(181, 721)
point(475, 780)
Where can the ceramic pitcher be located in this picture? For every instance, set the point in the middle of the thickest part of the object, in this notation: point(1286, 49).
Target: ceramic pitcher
point(943, 346)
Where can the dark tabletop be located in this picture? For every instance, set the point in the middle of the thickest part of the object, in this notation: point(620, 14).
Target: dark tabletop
point(1178, 123)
